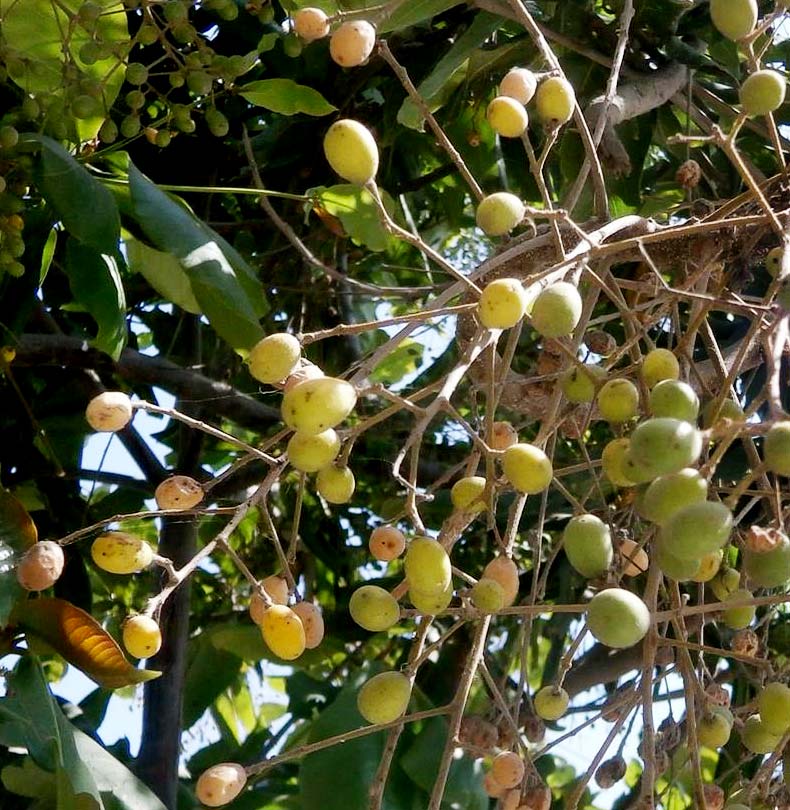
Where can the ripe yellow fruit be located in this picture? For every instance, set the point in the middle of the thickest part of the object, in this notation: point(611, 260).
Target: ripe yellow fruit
point(520, 84)
point(41, 566)
point(141, 636)
point(618, 400)
point(283, 632)
point(504, 571)
point(503, 435)
point(579, 383)
point(618, 618)
point(312, 621)
point(508, 769)
point(386, 543)
point(427, 566)
point(274, 357)
point(429, 603)
point(551, 703)
point(498, 213)
point(613, 462)
point(467, 493)
point(659, 364)
point(527, 468)
point(351, 151)
point(336, 484)
point(776, 448)
point(373, 608)
point(314, 406)
point(734, 19)
point(178, 492)
point(121, 553)
point(304, 371)
point(763, 92)
point(502, 303)
point(384, 698)
point(557, 310)
point(507, 117)
point(276, 589)
point(109, 411)
point(555, 101)
point(310, 453)
point(220, 784)
point(488, 595)
point(311, 24)
point(773, 261)
point(352, 43)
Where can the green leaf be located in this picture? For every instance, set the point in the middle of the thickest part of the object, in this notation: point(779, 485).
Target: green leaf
point(286, 97)
point(17, 533)
point(399, 363)
point(355, 208)
point(97, 287)
point(47, 253)
point(29, 780)
point(415, 11)
point(163, 272)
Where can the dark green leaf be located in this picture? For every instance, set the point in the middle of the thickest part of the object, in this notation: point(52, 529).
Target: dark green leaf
point(413, 12)
point(163, 272)
point(286, 97)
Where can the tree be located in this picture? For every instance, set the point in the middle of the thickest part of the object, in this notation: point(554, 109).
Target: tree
point(466, 323)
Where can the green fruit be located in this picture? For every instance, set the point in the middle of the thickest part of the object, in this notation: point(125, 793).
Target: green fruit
point(551, 703)
point(351, 151)
point(467, 493)
point(727, 409)
point(579, 383)
point(782, 299)
point(618, 401)
point(312, 452)
point(674, 399)
point(697, 529)
point(669, 493)
point(498, 213)
point(488, 596)
point(658, 365)
point(709, 566)
point(773, 704)
point(527, 468)
point(502, 303)
point(384, 698)
point(715, 727)
point(763, 92)
point(555, 101)
point(738, 618)
point(674, 567)
point(507, 117)
point(274, 357)
point(725, 583)
point(661, 446)
point(768, 569)
point(756, 737)
point(217, 123)
point(130, 126)
point(557, 310)
point(773, 261)
point(316, 405)
point(613, 462)
point(618, 618)
point(776, 448)
point(136, 73)
point(373, 608)
point(429, 604)
point(335, 484)
point(735, 19)
point(199, 82)
point(427, 566)
point(85, 106)
point(588, 545)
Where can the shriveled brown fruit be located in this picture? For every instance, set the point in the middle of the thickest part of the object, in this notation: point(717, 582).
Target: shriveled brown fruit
point(610, 772)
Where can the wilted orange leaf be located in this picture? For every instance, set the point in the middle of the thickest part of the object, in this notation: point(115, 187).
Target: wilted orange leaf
point(17, 529)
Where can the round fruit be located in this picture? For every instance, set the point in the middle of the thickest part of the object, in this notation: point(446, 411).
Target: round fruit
point(771, 568)
point(675, 399)
point(275, 357)
point(314, 406)
point(121, 553)
point(674, 567)
point(310, 453)
point(697, 529)
point(588, 545)
point(763, 92)
point(283, 632)
point(737, 618)
point(555, 101)
point(141, 636)
point(757, 738)
point(386, 543)
point(488, 596)
point(551, 703)
point(773, 261)
point(503, 435)
point(41, 566)
point(557, 310)
point(613, 462)
point(725, 583)
point(520, 84)
point(276, 589)
point(502, 304)
point(429, 603)
point(709, 566)
point(373, 608)
point(109, 411)
point(384, 698)
point(508, 769)
point(634, 559)
point(715, 727)
point(669, 493)
point(776, 448)
point(661, 446)
point(618, 400)
point(311, 24)
point(727, 409)
point(527, 468)
point(658, 365)
point(305, 371)
point(467, 493)
point(618, 618)
point(312, 621)
point(498, 213)
point(504, 571)
point(735, 19)
point(336, 484)
point(178, 492)
point(579, 383)
point(507, 117)
point(773, 703)
point(492, 787)
point(220, 784)
point(427, 566)
point(352, 43)
point(351, 151)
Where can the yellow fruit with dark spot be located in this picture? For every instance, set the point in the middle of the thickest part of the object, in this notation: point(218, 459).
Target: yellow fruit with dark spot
point(121, 553)
point(467, 493)
point(312, 621)
point(220, 784)
point(178, 492)
point(618, 400)
point(283, 632)
point(109, 411)
point(41, 566)
point(502, 303)
point(613, 462)
point(352, 43)
point(141, 636)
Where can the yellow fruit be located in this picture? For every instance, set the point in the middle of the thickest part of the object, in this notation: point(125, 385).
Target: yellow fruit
point(498, 213)
point(763, 92)
point(618, 618)
point(274, 357)
point(708, 566)
point(283, 632)
point(618, 401)
point(384, 698)
point(121, 553)
point(336, 484)
point(504, 571)
point(427, 566)
point(488, 595)
point(314, 406)
point(373, 608)
point(503, 435)
point(351, 151)
point(715, 727)
point(220, 784)
point(727, 409)
point(557, 310)
point(352, 43)
point(520, 84)
point(579, 383)
point(773, 261)
point(141, 636)
point(507, 117)
point(312, 452)
point(555, 101)
point(551, 703)
point(502, 303)
point(178, 492)
point(386, 543)
point(311, 24)
point(430, 603)
point(492, 787)
point(304, 371)
point(41, 566)
point(527, 468)
point(725, 583)
point(276, 589)
point(613, 462)
point(109, 411)
point(735, 19)
point(508, 769)
point(659, 364)
point(467, 493)
point(312, 621)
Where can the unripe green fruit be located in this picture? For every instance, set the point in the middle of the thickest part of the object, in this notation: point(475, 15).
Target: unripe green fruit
point(773, 261)
point(725, 583)
point(763, 92)
point(738, 618)
point(613, 462)
point(502, 303)
point(709, 566)
point(773, 704)
point(658, 365)
point(557, 310)
point(661, 446)
point(427, 566)
point(715, 727)
point(782, 299)
point(85, 106)
point(488, 596)
point(9, 137)
point(351, 151)
point(551, 703)
point(130, 126)
point(674, 399)
point(312, 452)
point(697, 529)
point(142, 637)
point(220, 784)
point(384, 698)
point(373, 608)
point(507, 117)
point(735, 19)
point(520, 84)
point(498, 213)
point(121, 553)
point(311, 24)
point(467, 493)
point(776, 448)
point(727, 409)
point(588, 545)
point(504, 571)
point(199, 82)
point(669, 493)
point(618, 618)
point(352, 43)
point(527, 468)
point(431, 603)
point(147, 34)
point(768, 569)
point(756, 737)
point(579, 383)
point(555, 101)
point(674, 567)
point(217, 123)
point(136, 73)
point(274, 357)
point(336, 484)
point(618, 401)
point(316, 405)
